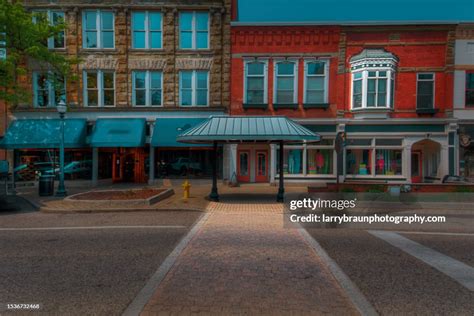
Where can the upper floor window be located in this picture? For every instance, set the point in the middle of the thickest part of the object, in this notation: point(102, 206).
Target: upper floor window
point(373, 79)
point(470, 89)
point(146, 30)
point(193, 88)
point(98, 29)
point(425, 90)
point(54, 18)
point(255, 82)
point(285, 82)
point(147, 88)
point(99, 88)
point(194, 30)
point(316, 82)
point(48, 89)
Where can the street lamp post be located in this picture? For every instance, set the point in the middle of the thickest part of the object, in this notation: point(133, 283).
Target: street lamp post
point(62, 111)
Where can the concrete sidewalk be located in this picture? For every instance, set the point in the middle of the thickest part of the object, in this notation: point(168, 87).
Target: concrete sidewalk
point(244, 261)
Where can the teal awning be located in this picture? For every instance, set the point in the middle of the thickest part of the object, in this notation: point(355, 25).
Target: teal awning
point(248, 129)
point(44, 133)
point(120, 132)
point(167, 129)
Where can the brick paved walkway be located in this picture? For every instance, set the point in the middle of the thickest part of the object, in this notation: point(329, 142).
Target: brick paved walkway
point(244, 261)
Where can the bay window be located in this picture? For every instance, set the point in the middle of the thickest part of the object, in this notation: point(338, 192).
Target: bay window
point(373, 79)
point(285, 82)
point(99, 88)
point(98, 29)
point(48, 89)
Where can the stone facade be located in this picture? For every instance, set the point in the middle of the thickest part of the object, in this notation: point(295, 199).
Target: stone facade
point(124, 59)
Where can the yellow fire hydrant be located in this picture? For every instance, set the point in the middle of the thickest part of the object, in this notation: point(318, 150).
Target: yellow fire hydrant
point(186, 187)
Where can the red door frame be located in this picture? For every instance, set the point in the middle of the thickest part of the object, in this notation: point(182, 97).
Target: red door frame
point(241, 178)
point(419, 178)
point(257, 177)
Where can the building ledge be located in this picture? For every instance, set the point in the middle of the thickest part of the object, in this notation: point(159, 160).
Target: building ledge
point(427, 111)
point(277, 106)
point(372, 113)
point(262, 106)
point(324, 106)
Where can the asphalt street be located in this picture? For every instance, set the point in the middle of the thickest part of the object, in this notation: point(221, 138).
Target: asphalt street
point(395, 282)
point(78, 264)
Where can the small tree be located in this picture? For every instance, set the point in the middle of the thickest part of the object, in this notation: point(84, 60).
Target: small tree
point(26, 35)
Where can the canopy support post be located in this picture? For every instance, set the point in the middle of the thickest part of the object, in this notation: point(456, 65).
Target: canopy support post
point(281, 188)
point(214, 196)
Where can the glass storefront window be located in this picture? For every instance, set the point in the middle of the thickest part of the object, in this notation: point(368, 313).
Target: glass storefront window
point(319, 161)
point(388, 162)
point(358, 161)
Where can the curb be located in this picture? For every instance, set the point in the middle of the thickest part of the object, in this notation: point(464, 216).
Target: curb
point(121, 210)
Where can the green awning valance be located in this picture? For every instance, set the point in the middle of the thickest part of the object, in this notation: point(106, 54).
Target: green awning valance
point(167, 129)
point(44, 133)
point(120, 132)
point(248, 129)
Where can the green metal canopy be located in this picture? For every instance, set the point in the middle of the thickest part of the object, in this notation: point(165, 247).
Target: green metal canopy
point(248, 129)
point(120, 132)
point(44, 133)
point(167, 129)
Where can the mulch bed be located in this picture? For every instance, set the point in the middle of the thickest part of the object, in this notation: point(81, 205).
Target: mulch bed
point(119, 195)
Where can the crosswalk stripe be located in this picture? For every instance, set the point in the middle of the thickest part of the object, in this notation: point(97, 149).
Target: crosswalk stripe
point(457, 270)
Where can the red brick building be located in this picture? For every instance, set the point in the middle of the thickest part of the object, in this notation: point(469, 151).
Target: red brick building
point(389, 88)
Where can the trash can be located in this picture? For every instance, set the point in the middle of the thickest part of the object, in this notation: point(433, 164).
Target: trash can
point(46, 185)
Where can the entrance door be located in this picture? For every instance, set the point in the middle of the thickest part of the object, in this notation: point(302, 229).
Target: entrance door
point(416, 167)
point(243, 166)
point(261, 174)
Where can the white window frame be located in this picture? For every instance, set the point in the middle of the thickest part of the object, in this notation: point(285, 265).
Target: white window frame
point(147, 88)
point(194, 31)
point(276, 76)
point(265, 78)
point(426, 80)
point(194, 89)
point(147, 30)
point(100, 88)
point(98, 29)
point(49, 15)
point(326, 78)
point(51, 90)
point(365, 77)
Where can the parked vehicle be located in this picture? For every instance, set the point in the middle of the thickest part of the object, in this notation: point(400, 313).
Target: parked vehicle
point(456, 180)
point(75, 168)
point(185, 165)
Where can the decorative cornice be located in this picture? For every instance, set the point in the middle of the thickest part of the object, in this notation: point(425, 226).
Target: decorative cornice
point(147, 64)
point(194, 63)
point(93, 62)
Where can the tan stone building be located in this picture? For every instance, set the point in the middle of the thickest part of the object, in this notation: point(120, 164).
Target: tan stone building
point(148, 70)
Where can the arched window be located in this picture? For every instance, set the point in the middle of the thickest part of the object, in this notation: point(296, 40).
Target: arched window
point(255, 89)
point(285, 90)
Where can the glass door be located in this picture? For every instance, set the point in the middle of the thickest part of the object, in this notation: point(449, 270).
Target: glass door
point(261, 174)
point(243, 166)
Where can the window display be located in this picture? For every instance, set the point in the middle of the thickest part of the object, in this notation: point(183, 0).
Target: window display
point(319, 161)
point(388, 162)
point(358, 161)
